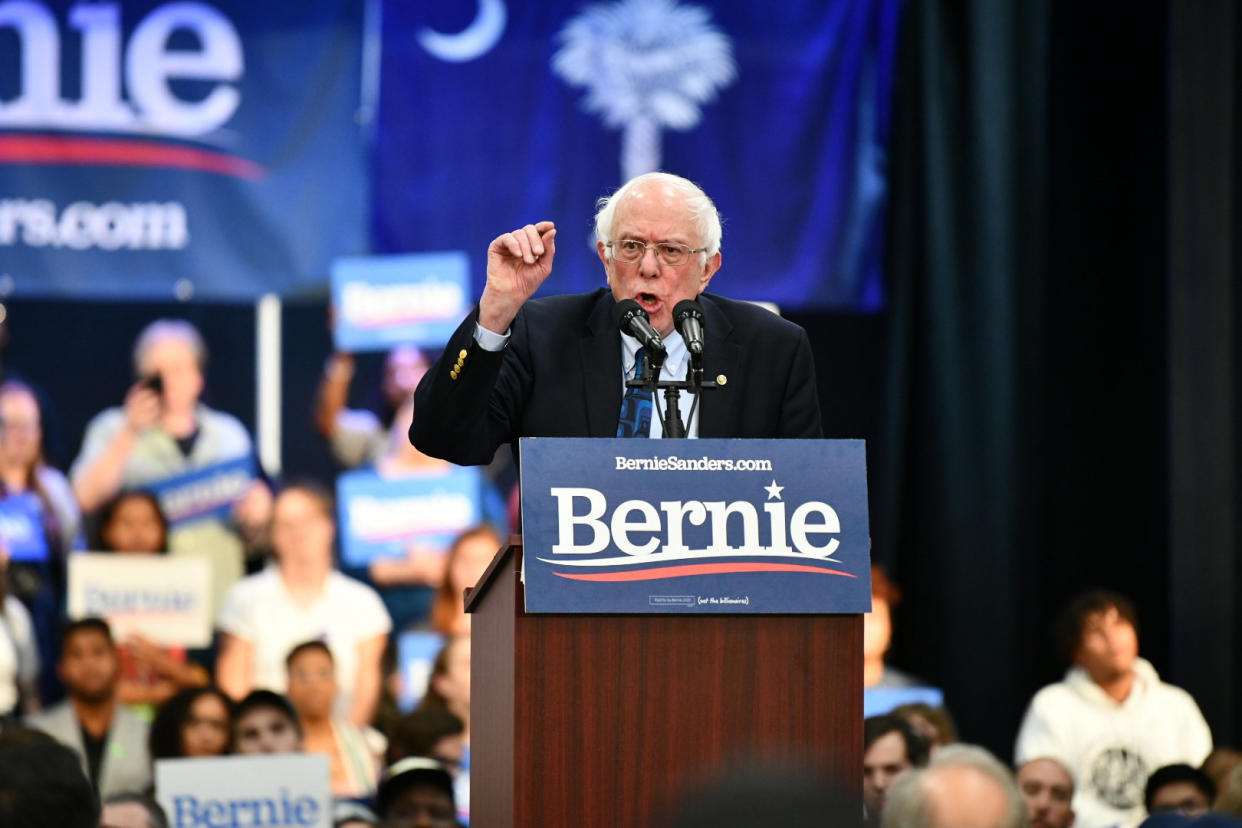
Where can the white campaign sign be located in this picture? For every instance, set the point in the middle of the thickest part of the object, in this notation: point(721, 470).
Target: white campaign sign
point(280, 791)
point(165, 599)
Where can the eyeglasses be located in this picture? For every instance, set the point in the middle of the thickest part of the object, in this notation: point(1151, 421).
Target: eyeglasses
point(669, 253)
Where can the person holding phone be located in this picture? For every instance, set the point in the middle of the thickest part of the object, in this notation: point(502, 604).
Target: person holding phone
point(163, 431)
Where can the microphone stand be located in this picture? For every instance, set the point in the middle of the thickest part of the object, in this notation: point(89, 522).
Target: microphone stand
point(670, 421)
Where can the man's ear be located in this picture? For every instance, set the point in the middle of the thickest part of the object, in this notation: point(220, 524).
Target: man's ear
point(709, 270)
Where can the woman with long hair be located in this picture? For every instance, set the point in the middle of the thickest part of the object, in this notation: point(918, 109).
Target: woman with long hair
point(195, 722)
point(468, 558)
point(132, 523)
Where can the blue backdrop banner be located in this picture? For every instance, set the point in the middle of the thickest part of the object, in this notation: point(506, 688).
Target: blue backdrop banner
point(496, 114)
point(729, 526)
point(157, 149)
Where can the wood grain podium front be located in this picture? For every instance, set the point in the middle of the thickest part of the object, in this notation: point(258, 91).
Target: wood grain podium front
point(601, 720)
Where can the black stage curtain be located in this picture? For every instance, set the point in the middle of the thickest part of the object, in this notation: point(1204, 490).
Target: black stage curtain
point(1024, 449)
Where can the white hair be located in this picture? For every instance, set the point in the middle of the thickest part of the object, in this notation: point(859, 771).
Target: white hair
point(910, 803)
point(703, 211)
point(162, 329)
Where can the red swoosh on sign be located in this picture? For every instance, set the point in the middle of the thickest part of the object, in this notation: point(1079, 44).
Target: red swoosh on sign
point(119, 152)
point(698, 569)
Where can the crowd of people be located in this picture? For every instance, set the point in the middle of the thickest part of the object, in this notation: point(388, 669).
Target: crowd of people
point(1109, 745)
point(303, 658)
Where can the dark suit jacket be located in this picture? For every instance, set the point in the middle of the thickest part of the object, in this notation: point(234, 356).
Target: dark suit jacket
point(560, 376)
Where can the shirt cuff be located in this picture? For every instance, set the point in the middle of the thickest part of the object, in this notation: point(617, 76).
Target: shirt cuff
point(490, 340)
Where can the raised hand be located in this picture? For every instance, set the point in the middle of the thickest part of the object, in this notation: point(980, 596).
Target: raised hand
point(517, 264)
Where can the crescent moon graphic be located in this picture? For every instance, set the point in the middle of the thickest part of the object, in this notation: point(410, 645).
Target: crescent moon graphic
point(472, 42)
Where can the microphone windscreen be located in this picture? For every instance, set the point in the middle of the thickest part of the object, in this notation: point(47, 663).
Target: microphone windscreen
point(626, 310)
point(687, 307)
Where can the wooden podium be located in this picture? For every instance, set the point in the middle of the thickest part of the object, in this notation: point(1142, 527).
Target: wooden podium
point(601, 720)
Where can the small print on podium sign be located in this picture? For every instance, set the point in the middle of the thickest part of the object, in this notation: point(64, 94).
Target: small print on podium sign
point(675, 526)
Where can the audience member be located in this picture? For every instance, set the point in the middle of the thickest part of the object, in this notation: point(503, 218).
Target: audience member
point(1048, 789)
point(303, 598)
point(468, 558)
point(878, 634)
point(22, 468)
point(110, 742)
point(408, 583)
point(449, 689)
point(42, 784)
point(416, 793)
point(1220, 763)
point(163, 431)
point(1111, 720)
point(132, 523)
point(1229, 800)
point(360, 436)
point(353, 752)
point(265, 722)
point(195, 722)
point(891, 749)
point(349, 814)
point(934, 724)
point(431, 732)
point(1174, 820)
point(767, 793)
point(132, 810)
point(19, 653)
point(1179, 789)
point(964, 786)
point(42, 495)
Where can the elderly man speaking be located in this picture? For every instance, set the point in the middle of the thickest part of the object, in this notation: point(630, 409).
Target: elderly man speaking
point(557, 366)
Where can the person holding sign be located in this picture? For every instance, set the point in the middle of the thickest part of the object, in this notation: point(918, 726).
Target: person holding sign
point(199, 461)
point(359, 436)
point(132, 523)
point(557, 366)
point(39, 519)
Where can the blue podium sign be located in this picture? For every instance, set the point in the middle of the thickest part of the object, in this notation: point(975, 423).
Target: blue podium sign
point(675, 526)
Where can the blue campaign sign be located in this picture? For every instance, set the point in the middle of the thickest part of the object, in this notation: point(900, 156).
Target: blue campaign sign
point(206, 493)
point(381, 301)
point(731, 526)
point(416, 656)
point(384, 516)
point(21, 527)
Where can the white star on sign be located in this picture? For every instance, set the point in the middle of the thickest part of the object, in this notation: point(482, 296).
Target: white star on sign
point(774, 491)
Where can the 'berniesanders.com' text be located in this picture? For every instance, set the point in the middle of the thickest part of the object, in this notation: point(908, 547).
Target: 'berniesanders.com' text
point(690, 464)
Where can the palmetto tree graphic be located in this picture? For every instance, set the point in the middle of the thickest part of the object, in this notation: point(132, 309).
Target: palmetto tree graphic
point(647, 65)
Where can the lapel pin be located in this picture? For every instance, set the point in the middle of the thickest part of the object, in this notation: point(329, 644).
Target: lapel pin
point(721, 379)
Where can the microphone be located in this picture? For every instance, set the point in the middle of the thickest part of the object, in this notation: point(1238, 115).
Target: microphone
point(633, 320)
point(688, 317)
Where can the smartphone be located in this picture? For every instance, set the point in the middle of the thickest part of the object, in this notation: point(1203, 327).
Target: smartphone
point(155, 382)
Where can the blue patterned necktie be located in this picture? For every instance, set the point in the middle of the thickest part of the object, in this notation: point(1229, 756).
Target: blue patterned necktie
point(635, 418)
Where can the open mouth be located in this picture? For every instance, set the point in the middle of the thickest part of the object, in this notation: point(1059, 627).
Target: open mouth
point(649, 301)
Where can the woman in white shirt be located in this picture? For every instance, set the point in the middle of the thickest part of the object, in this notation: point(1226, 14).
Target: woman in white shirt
point(302, 597)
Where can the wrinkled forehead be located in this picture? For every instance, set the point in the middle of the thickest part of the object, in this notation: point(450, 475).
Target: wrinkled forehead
point(658, 204)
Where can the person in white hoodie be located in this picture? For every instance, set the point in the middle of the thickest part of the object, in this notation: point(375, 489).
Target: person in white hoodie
point(1111, 720)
